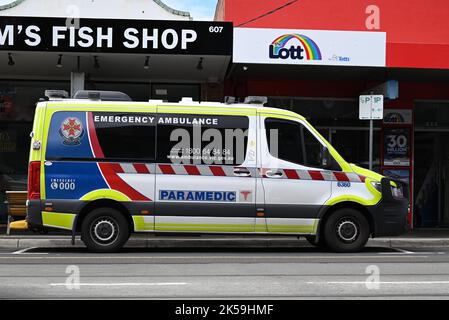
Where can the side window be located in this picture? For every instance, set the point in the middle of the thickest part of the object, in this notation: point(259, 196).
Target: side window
point(313, 149)
point(126, 136)
point(120, 136)
point(202, 140)
point(291, 141)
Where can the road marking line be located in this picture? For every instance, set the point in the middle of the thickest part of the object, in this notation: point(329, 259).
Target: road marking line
point(217, 257)
point(413, 253)
point(381, 282)
point(25, 251)
point(131, 284)
point(404, 251)
point(430, 253)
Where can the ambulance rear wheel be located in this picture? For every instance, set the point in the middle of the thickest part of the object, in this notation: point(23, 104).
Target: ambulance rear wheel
point(105, 230)
point(346, 231)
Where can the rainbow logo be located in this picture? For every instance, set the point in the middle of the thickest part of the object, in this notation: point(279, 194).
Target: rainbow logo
point(311, 49)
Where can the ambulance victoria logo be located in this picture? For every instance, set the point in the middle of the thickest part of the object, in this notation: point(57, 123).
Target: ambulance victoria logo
point(295, 47)
point(71, 131)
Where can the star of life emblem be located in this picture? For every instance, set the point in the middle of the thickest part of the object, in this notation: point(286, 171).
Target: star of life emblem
point(71, 131)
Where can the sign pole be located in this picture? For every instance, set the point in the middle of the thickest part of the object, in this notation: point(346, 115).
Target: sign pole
point(371, 136)
point(371, 108)
point(371, 139)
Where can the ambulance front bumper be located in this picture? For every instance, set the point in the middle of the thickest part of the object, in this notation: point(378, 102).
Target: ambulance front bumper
point(390, 214)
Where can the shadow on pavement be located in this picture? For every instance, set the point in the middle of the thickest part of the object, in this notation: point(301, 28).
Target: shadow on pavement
point(206, 250)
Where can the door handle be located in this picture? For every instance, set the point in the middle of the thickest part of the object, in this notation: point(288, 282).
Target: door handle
point(242, 172)
point(274, 174)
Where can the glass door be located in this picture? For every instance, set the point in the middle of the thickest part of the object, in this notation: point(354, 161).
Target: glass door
point(431, 164)
point(431, 179)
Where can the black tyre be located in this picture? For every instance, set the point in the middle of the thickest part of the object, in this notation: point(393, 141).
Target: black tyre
point(346, 231)
point(105, 230)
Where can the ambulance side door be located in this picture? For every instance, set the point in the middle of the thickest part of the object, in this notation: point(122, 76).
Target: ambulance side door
point(206, 173)
point(295, 185)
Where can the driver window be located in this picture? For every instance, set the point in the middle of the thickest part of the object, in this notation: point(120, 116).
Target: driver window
point(291, 141)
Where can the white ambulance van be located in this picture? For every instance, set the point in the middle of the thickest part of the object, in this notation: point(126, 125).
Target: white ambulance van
point(106, 169)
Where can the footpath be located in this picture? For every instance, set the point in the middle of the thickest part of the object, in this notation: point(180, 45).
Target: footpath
point(415, 239)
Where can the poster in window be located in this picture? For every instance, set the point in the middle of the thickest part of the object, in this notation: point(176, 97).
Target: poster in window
point(5, 106)
point(398, 116)
point(397, 147)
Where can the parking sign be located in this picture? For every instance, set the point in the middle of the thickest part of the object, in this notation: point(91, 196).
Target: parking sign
point(371, 107)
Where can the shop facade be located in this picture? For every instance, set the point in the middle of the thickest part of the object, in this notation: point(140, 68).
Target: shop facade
point(313, 60)
point(143, 48)
point(317, 61)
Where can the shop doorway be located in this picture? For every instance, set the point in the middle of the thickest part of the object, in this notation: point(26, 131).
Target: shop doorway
point(431, 165)
point(431, 179)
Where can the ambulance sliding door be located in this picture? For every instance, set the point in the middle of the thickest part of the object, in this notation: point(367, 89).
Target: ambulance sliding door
point(206, 174)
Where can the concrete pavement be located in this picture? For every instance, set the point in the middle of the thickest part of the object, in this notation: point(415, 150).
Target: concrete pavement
point(150, 241)
point(20, 240)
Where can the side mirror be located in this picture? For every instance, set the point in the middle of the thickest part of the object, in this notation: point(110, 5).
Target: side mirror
point(326, 158)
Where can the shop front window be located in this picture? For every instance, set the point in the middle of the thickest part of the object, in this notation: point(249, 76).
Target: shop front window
point(136, 91)
point(175, 92)
point(168, 92)
point(353, 145)
point(17, 105)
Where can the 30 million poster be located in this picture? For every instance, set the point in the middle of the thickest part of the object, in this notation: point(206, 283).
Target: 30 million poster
point(397, 147)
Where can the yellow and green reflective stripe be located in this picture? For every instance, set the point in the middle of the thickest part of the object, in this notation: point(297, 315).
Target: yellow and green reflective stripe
point(292, 229)
point(141, 225)
point(280, 112)
point(210, 229)
point(209, 111)
point(58, 220)
point(102, 106)
point(261, 228)
point(35, 155)
point(377, 196)
point(280, 116)
point(136, 108)
point(205, 227)
point(105, 194)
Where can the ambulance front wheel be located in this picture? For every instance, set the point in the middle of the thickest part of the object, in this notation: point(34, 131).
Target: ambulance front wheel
point(105, 230)
point(346, 231)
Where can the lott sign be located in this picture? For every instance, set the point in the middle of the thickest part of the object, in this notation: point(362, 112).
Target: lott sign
point(309, 47)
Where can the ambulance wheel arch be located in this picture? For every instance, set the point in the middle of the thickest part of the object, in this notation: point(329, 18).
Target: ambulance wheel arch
point(327, 212)
point(102, 203)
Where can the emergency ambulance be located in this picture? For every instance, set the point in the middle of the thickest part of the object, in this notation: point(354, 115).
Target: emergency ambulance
point(106, 169)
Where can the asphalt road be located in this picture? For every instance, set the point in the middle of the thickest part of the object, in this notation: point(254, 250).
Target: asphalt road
point(299, 273)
